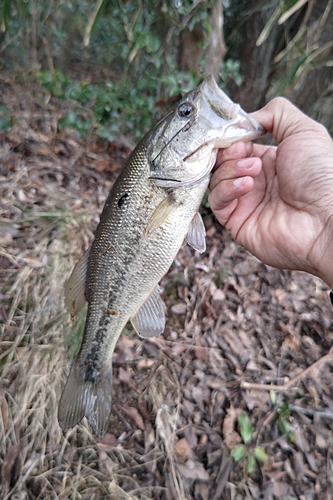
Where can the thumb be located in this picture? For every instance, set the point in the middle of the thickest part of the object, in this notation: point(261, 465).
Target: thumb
point(282, 119)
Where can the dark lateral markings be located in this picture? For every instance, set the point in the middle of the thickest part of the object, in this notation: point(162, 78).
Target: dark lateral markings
point(122, 200)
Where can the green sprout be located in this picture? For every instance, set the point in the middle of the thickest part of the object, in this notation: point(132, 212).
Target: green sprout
point(245, 451)
point(283, 417)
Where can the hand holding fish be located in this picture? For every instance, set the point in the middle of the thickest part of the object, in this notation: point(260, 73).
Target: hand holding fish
point(277, 202)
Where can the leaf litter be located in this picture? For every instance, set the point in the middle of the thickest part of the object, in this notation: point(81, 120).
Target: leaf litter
point(241, 338)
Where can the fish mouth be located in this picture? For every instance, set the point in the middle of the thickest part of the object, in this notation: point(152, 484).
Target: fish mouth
point(247, 126)
point(237, 125)
point(164, 182)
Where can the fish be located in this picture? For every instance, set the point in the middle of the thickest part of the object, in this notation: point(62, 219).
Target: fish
point(151, 209)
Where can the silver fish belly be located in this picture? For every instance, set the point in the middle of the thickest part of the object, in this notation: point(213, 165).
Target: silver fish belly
point(151, 208)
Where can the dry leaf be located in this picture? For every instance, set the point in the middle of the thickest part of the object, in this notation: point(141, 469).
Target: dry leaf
point(125, 377)
point(4, 413)
point(201, 353)
point(182, 449)
point(149, 436)
point(12, 464)
point(109, 440)
point(231, 437)
point(193, 470)
point(298, 465)
point(134, 414)
point(146, 363)
point(179, 308)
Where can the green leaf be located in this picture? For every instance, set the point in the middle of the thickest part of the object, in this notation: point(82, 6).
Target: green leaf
point(273, 396)
point(73, 91)
point(260, 454)
point(246, 428)
point(4, 123)
point(44, 77)
point(251, 465)
point(238, 452)
point(291, 436)
point(284, 408)
point(5, 14)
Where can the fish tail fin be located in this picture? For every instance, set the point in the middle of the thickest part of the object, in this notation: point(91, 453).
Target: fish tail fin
point(86, 398)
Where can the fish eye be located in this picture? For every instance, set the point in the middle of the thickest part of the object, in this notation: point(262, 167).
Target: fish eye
point(185, 110)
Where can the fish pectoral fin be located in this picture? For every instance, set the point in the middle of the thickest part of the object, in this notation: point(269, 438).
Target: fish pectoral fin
point(196, 236)
point(149, 321)
point(75, 297)
point(161, 213)
point(91, 399)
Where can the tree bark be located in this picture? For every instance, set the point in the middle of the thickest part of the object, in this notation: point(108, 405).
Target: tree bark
point(256, 62)
point(191, 54)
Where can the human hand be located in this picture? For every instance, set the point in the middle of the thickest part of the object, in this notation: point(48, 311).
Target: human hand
point(277, 202)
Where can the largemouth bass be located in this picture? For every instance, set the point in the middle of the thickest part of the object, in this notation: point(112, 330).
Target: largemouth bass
point(152, 207)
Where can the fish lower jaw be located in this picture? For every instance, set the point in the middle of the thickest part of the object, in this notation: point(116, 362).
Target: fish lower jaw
point(160, 182)
point(173, 183)
point(238, 133)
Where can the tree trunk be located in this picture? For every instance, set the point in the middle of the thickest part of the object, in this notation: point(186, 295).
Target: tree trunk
point(216, 48)
point(191, 54)
point(256, 62)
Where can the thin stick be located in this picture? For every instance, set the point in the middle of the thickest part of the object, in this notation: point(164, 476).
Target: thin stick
point(293, 381)
point(113, 248)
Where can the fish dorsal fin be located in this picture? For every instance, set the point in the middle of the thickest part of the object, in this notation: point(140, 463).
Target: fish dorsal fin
point(75, 297)
point(162, 212)
point(196, 236)
point(149, 321)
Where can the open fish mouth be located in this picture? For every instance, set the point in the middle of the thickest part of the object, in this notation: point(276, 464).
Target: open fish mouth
point(160, 181)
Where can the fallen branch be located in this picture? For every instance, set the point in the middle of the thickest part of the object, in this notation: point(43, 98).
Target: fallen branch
point(293, 381)
point(312, 413)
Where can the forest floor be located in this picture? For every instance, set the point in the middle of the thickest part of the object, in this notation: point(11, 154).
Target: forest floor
point(241, 339)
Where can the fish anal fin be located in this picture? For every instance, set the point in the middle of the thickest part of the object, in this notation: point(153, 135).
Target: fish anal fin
point(91, 399)
point(149, 321)
point(161, 213)
point(75, 297)
point(196, 236)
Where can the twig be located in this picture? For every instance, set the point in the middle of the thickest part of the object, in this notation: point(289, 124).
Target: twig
point(311, 413)
point(10, 258)
point(113, 248)
point(293, 381)
point(123, 419)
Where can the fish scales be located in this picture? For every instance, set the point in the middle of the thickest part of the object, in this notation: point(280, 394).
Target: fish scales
point(143, 260)
point(151, 208)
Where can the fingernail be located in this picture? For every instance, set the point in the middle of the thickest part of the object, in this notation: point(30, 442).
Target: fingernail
point(240, 181)
point(244, 163)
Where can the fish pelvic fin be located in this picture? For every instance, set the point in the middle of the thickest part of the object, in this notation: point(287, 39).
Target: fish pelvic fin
point(196, 236)
point(86, 398)
point(149, 321)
